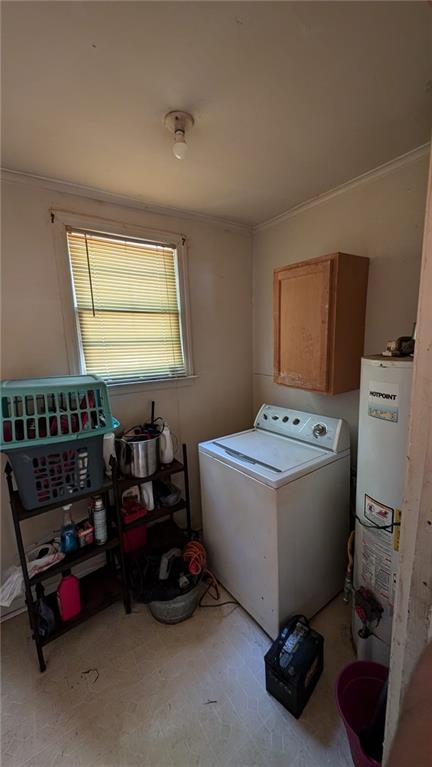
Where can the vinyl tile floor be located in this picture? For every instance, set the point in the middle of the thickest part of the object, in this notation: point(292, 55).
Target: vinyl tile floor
point(125, 691)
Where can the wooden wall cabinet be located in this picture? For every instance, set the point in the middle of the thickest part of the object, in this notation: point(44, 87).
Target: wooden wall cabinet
point(319, 319)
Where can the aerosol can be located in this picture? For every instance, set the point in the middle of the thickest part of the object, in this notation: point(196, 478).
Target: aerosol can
point(99, 521)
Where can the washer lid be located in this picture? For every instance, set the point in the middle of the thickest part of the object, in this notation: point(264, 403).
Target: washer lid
point(272, 459)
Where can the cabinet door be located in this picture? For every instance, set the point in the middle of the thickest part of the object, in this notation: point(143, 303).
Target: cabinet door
point(302, 297)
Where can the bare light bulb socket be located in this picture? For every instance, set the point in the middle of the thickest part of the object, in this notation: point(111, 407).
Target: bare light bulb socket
point(178, 122)
point(180, 146)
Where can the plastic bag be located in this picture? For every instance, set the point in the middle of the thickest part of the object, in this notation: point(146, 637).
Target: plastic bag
point(36, 563)
point(12, 587)
point(45, 619)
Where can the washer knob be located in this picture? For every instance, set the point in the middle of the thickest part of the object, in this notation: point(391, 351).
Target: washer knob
point(319, 430)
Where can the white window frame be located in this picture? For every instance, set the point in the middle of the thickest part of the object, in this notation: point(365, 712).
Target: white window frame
point(60, 220)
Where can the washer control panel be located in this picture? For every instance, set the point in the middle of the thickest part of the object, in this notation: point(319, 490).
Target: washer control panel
point(322, 431)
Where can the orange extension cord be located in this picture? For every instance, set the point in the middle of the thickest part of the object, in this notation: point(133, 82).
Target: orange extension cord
point(195, 555)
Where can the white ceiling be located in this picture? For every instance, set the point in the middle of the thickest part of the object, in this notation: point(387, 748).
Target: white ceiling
point(290, 99)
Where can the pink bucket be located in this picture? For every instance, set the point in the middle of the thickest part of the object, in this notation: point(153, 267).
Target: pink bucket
point(357, 692)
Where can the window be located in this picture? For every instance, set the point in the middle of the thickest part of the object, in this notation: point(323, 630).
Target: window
point(128, 310)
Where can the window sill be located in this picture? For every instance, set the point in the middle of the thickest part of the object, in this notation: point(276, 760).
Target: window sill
point(154, 385)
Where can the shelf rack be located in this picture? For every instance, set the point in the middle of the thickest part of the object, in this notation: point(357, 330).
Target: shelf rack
point(107, 584)
point(98, 590)
point(176, 467)
point(95, 595)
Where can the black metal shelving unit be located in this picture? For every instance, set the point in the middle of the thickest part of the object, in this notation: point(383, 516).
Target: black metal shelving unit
point(161, 512)
point(99, 589)
point(107, 584)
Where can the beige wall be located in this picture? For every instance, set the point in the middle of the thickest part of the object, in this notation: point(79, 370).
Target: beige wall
point(33, 341)
point(381, 218)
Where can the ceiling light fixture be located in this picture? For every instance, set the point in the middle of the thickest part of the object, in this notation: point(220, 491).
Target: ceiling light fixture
point(178, 123)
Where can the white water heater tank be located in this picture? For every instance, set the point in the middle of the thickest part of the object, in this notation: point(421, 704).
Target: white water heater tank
point(385, 391)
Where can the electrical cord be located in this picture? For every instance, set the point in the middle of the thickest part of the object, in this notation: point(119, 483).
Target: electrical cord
point(349, 552)
point(387, 528)
point(194, 554)
point(215, 584)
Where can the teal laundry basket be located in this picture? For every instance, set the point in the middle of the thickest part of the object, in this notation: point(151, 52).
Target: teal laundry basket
point(52, 431)
point(52, 410)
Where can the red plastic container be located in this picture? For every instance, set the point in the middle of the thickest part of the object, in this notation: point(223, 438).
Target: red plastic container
point(68, 597)
point(134, 539)
point(357, 692)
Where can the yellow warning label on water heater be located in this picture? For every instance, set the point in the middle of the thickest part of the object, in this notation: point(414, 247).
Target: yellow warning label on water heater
point(396, 529)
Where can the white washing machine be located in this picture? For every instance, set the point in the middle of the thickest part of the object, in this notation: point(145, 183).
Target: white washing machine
point(275, 502)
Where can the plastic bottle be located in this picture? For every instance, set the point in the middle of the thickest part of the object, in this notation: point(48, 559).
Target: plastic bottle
point(100, 522)
point(147, 497)
point(108, 452)
point(166, 450)
point(68, 535)
point(68, 597)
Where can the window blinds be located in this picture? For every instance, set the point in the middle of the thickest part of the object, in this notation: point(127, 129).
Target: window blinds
point(127, 305)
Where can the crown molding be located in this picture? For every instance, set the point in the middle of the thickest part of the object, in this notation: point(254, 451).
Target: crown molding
point(100, 195)
point(370, 175)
